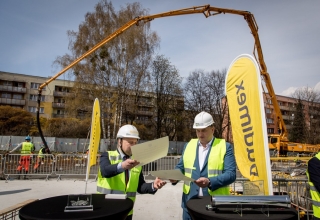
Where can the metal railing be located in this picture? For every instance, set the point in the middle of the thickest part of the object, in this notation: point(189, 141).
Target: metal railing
point(75, 166)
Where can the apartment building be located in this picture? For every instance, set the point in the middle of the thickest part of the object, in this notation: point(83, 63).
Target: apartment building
point(287, 107)
point(21, 91)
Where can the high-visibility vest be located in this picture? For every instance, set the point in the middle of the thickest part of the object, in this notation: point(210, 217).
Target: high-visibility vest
point(215, 163)
point(26, 148)
point(40, 154)
point(116, 184)
point(315, 195)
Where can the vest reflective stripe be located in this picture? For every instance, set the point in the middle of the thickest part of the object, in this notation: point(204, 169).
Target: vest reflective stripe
point(215, 163)
point(315, 195)
point(313, 188)
point(189, 171)
point(214, 172)
point(115, 157)
point(26, 148)
point(315, 203)
point(116, 184)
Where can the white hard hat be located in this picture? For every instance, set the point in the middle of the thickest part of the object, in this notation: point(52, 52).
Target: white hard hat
point(202, 120)
point(128, 131)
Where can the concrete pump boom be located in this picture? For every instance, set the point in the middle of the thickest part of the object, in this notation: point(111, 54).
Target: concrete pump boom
point(207, 11)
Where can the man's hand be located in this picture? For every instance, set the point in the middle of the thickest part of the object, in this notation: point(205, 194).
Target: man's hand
point(158, 183)
point(129, 164)
point(202, 182)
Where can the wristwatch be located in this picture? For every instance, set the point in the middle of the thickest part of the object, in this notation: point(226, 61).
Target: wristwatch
point(209, 185)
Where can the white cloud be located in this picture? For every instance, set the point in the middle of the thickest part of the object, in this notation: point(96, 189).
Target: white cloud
point(317, 87)
point(288, 92)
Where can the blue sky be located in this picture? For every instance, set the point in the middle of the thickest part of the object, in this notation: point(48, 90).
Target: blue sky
point(34, 33)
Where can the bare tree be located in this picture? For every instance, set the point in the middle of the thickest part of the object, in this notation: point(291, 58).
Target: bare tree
point(310, 99)
point(167, 87)
point(113, 71)
point(215, 82)
point(204, 92)
point(15, 121)
point(67, 127)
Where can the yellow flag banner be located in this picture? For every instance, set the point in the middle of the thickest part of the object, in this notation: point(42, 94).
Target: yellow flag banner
point(94, 136)
point(246, 110)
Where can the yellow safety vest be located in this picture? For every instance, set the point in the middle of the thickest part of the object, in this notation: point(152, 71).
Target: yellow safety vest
point(215, 163)
point(26, 148)
point(315, 195)
point(41, 154)
point(116, 184)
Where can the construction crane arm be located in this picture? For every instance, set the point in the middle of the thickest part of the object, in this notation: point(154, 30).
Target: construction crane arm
point(207, 11)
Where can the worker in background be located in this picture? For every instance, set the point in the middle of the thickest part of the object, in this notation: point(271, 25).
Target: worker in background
point(27, 148)
point(313, 173)
point(40, 158)
point(208, 160)
point(118, 173)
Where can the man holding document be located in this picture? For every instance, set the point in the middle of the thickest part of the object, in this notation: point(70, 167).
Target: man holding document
point(118, 173)
point(208, 160)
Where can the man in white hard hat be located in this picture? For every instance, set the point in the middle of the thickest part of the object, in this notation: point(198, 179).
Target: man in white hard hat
point(208, 160)
point(118, 173)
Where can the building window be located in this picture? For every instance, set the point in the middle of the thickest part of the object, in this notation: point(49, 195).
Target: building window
point(269, 121)
point(142, 118)
point(34, 109)
point(7, 83)
point(35, 97)
point(36, 86)
point(268, 110)
point(17, 96)
point(60, 112)
point(270, 131)
point(6, 95)
point(62, 89)
point(269, 101)
point(145, 109)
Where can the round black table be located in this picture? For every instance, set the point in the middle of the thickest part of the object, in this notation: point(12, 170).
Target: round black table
point(197, 210)
point(53, 208)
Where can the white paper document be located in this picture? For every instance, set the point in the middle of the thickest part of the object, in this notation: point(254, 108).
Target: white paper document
point(171, 174)
point(150, 151)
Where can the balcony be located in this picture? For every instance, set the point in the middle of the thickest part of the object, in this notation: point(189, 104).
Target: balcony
point(284, 107)
point(13, 89)
point(12, 101)
point(58, 105)
point(287, 117)
point(57, 115)
point(60, 94)
point(145, 113)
